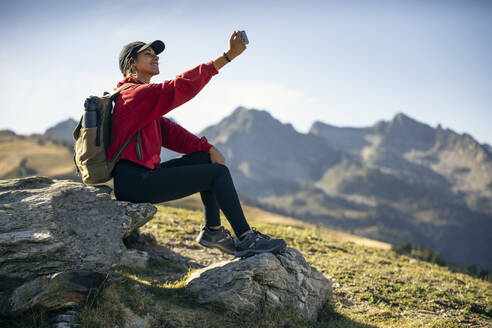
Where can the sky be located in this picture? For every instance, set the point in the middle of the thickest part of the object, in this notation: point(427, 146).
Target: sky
point(345, 63)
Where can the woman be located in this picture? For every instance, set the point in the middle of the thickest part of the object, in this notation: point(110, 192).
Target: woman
point(140, 177)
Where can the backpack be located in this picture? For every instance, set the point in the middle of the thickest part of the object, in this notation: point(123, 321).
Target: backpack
point(90, 147)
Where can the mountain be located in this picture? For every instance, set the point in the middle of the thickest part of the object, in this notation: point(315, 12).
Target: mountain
point(395, 181)
point(436, 157)
point(63, 130)
point(268, 157)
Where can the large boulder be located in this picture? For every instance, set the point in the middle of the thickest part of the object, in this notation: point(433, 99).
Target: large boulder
point(59, 233)
point(263, 281)
point(60, 239)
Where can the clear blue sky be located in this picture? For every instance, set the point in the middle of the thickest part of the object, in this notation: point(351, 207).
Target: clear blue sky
point(346, 63)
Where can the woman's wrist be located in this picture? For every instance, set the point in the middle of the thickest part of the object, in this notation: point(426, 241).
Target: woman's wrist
point(231, 55)
point(221, 61)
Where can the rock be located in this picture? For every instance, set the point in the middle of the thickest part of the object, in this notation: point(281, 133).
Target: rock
point(134, 258)
point(50, 226)
point(62, 325)
point(271, 280)
point(64, 318)
point(60, 290)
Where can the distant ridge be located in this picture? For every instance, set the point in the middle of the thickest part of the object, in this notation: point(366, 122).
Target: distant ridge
point(394, 181)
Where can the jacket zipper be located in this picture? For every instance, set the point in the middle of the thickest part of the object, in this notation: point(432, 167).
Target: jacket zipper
point(139, 149)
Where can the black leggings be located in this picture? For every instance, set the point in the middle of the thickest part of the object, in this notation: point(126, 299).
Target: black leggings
point(181, 177)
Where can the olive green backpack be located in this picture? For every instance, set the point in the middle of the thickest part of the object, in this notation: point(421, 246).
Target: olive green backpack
point(90, 147)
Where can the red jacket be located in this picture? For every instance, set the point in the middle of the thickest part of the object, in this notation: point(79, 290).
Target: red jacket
point(141, 106)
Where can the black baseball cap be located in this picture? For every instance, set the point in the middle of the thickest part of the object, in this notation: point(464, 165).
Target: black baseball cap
point(133, 48)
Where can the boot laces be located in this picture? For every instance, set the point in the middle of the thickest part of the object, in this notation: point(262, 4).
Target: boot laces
point(227, 232)
point(259, 234)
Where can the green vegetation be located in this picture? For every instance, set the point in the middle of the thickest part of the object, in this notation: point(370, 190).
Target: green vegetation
point(373, 287)
point(426, 254)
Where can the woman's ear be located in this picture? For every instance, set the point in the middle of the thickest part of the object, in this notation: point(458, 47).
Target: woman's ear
point(133, 69)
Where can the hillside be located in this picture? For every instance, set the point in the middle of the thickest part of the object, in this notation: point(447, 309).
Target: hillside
point(35, 154)
point(256, 215)
point(373, 287)
point(395, 181)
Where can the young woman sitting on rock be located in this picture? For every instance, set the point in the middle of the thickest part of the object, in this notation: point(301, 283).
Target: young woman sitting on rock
point(139, 176)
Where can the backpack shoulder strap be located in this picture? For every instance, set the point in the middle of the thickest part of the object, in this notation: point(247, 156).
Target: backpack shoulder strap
point(120, 150)
point(115, 92)
point(111, 96)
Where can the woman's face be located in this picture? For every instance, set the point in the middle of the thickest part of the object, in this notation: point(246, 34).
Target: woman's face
point(147, 62)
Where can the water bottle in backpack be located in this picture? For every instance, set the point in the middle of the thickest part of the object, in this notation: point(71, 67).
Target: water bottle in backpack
point(90, 119)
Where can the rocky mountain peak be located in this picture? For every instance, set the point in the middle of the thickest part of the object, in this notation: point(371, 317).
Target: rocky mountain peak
point(403, 119)
point(249, 121)
point(69, 123)
point(406, 133)
point(319, 125)
point(244, 114)
point(63, 130)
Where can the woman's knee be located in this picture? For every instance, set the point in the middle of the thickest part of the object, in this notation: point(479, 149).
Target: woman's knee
point(201, 156)
point(221, 168)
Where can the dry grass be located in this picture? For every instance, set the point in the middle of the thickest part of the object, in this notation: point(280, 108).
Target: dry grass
point(47, 159)
point(374, 287)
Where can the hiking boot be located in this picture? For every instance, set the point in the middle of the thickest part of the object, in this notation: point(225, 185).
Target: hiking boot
point(220, 239)
point(254, 242)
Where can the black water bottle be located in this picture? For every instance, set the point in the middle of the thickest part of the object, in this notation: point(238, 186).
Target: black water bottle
point(90, 115)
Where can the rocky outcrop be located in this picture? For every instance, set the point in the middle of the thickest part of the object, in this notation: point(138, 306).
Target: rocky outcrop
point(59, 233)
point(263, 281)
point(60, 240)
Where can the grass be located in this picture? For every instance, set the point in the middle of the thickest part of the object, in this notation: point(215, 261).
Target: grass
point(373, 287)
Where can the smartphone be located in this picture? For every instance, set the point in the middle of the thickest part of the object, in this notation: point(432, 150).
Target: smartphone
point(245, 38)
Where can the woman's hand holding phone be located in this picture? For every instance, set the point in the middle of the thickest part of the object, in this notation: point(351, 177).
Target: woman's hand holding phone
point(236, 44)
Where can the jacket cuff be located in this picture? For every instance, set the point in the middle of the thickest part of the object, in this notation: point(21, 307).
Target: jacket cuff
point(204, 144)
point(210, 65)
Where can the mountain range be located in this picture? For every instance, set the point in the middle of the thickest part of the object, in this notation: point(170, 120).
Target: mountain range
point(395, 181)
